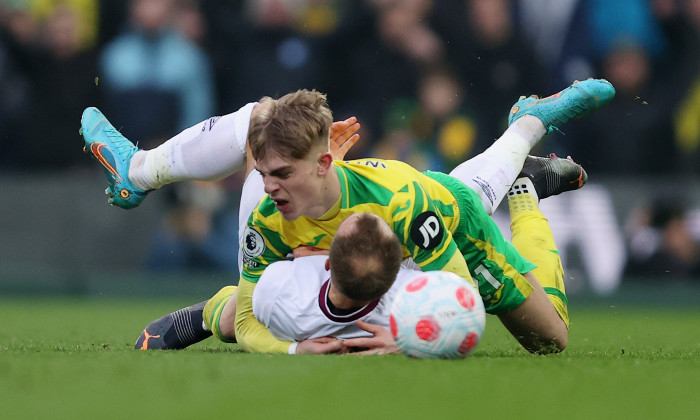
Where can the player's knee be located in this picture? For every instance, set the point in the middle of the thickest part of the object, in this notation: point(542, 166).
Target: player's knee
point(227, 321)
point(227, 329)
point(220, 314)
point(550, 345)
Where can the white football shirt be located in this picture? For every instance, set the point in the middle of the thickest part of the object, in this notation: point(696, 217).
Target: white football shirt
point(291, 298)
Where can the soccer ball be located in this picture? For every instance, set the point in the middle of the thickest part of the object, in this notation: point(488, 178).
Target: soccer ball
point(438, 314)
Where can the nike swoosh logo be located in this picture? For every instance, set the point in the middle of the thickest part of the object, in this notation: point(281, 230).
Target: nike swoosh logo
point(96, 149)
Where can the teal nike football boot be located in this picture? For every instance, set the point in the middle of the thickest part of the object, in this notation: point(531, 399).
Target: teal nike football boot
point(576, 101)
point(114, 153)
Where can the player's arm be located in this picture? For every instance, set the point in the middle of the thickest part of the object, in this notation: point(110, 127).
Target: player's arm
point(255, 338)
point(251, 335)
point(261, 248)
point(419, 224)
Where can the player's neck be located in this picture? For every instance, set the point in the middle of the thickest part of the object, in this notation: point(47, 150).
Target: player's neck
point(341, 301)
point(329, 193)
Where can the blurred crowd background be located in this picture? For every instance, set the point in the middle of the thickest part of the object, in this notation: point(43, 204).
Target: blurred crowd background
point(431, 82)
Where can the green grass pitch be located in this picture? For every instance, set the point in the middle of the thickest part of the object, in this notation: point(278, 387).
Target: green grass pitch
point(73, 359)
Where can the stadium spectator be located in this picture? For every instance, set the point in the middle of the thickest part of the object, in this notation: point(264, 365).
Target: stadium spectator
point(437, 129)
point(286, 38)
point(559, 35)
point(198, 230)
point(637, 125)
point(493, 59)
point(157, 82)
point(391, 43)
point(681, 23)
point(623, 21)
point(55, 52)
point(14, 89)
point(662, 242)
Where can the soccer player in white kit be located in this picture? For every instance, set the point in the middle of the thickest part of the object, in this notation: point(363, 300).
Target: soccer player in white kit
point(207, 152)
point(292, 297)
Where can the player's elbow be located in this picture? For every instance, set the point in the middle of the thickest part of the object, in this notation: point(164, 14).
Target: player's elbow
point(244, 343)
point(241, 328)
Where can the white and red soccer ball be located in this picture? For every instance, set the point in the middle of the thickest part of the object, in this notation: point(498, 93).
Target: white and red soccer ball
point(437, 315)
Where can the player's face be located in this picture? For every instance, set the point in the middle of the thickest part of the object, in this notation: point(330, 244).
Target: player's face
point(294, 185)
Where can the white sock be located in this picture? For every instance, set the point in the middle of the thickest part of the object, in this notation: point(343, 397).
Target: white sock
point(492, 173)
point(210, 150)
point(529, 128)
point(523, 185)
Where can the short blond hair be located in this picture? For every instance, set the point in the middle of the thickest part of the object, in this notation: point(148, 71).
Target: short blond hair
point(290, 126)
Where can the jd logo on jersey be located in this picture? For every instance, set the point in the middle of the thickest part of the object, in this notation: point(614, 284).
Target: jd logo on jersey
point(426, 230)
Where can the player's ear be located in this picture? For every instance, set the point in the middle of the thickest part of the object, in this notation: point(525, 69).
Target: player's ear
point(325, 161)
point(328, 264)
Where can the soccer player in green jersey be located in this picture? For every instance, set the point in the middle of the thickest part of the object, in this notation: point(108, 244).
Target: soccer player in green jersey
point(440, 222)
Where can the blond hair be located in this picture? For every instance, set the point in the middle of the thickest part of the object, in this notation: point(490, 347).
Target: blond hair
point(290, 126)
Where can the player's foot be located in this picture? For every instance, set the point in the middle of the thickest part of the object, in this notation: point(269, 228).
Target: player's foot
point(576, 101)
point(174, 331)
point(552, 175)
point(114, 153)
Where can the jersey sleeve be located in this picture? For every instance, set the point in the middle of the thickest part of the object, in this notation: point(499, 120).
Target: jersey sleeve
point(251, 335)
point(261, 247)
point(418, 222)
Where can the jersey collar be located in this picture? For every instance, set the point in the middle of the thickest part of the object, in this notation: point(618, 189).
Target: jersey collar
point(323, 304)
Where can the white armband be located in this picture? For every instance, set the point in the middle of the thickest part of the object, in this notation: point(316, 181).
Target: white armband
point(292, 348)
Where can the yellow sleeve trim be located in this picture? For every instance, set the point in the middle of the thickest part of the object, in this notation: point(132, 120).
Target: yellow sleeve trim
point(251, 335)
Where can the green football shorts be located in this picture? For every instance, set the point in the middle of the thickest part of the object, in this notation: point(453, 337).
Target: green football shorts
point(494, 263)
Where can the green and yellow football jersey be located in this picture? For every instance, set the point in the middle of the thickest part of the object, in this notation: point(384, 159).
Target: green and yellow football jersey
point(421, 211)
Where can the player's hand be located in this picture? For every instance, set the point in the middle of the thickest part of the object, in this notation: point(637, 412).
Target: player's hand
point(321, 345)
point(343, 135)
point(308, 250)
point(381, 342)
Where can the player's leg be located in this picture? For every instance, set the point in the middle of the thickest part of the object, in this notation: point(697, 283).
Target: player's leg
point(212, 149)
point(497, 266)
point(175, 331)
point(220, 314)
point(492, 173)
point(190, 325)
point(217, 315)
point(541, 322)
point(535, 323)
